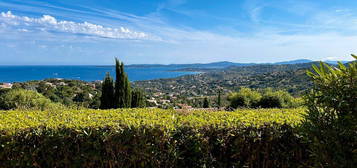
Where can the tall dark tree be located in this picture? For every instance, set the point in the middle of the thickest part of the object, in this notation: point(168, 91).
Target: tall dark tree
point(219, 99)
point(122, 93)
point(205, 103)
point(137, 98)
point(127, 92)
point(119, 85)
point(106, 100)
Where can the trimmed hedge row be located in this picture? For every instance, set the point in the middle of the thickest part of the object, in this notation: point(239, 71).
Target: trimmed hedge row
point(154, 146)
point(151, 138)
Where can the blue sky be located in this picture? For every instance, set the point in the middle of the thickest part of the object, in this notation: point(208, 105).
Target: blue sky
point(93, 32)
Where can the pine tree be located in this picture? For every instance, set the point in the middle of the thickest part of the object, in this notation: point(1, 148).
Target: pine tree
point(106, 100)
point(205, 103)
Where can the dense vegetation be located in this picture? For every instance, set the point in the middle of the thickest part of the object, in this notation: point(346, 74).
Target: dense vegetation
point(292, 78)
point(18, 120)
point(25, 100)
point(191, 89)
point(151, 138)
point(331, 120)
point(120, 95)
point(266, 98)
point(71, 93)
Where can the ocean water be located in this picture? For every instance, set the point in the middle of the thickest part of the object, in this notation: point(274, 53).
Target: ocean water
point(85, 73)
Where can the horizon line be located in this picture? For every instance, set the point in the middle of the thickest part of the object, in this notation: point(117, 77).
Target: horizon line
point(136, 64)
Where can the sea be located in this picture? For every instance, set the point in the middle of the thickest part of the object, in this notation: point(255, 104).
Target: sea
point(85, 73)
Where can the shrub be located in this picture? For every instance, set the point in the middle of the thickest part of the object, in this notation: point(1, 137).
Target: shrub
point(25, 99)
point(263, 99)
point(286, 99)
point(331, 118)
point(270, 101)
point(151, 138)
point(237, 100)
point(245, 97)
point(277, 99)
point(205, 103)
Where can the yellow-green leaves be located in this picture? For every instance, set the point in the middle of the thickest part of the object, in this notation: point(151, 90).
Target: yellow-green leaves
point(11, 121)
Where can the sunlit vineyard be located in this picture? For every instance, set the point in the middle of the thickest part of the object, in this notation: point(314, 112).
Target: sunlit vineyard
point(16, 120)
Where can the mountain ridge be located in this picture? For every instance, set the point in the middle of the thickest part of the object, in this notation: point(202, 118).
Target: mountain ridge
point(226, 64)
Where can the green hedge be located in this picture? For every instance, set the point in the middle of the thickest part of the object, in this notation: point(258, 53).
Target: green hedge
point(151, 138)
point(154, 146)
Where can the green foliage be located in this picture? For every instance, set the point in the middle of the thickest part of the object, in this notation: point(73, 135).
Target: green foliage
point(277, 99)
point(265, 99)
point(122, 93)
point(137, 99)
point(331, 118)
point(82, 99)
point(67, 92)
point(25, 99)
point(270, 101)
point(95, 103)
point(56, 118)
point(291, 78)
point(107, 97)
point(246, 97)
point(205, 103)
point(219, 99)
point(119, 85)
point(3, 91)
point(127, 91)
point(146, 146)
point(151, 138)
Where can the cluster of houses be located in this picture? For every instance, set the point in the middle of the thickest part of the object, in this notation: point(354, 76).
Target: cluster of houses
point(5, 85)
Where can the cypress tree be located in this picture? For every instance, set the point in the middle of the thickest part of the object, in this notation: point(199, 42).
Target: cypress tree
point(106, 100)
point(137, 98)
point(127, 92)
point(205, 103)
point(118, 91)
point(219, 101)
point(122, 93)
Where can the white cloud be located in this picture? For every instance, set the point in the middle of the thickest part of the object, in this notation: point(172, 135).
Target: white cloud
point(49, 23)
point(319, 36)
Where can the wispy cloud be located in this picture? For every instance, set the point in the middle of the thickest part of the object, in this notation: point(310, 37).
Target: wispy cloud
point(170, 4)
point(67, 33)
point(48, 23)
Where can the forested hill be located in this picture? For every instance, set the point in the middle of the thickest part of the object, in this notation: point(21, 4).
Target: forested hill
point(213, 65)
point(218, 65)
point(291, 77)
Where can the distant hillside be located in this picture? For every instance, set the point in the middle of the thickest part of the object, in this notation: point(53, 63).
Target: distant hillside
point(298, 61)
point(291, 77)
point(336, 62)
point(223, 64)
point(214, 65)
